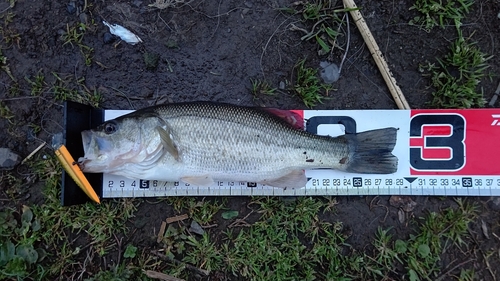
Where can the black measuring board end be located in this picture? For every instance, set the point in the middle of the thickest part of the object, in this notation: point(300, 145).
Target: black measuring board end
point(348, 122)
point(77, 118)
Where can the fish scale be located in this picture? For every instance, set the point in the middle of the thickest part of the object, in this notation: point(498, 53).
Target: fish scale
point(259, 146)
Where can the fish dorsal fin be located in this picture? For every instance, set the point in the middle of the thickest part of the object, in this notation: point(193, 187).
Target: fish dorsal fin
point(294, 179)
point(203, 180)
point(168, 143)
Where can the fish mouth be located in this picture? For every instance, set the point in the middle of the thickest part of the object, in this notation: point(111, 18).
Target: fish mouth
point(81, 163)
point(90, 166)
point(91, 162)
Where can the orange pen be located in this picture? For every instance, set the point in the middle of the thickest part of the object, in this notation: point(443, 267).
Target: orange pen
point(76, 174)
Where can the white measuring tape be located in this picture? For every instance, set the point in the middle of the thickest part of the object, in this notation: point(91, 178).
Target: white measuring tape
point(440, 152)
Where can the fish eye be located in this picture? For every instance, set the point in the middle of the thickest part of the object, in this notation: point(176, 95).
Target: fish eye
point(110, 128)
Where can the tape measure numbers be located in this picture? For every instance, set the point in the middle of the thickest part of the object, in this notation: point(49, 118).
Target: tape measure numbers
point(115, 186)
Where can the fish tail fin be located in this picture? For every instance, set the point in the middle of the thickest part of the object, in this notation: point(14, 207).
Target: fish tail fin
point(372, 152)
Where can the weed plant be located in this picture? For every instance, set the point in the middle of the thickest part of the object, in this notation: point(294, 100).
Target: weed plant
point(74, 36)
point(325, 19)
point(20, 247)
point(260, 88)
point(308, 86)
point(440, 12)
point(457, 75)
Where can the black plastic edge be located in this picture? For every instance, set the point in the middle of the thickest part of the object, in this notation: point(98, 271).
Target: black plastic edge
point(77, 118)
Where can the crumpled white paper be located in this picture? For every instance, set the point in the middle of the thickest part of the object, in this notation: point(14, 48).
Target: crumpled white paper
point(124, 34)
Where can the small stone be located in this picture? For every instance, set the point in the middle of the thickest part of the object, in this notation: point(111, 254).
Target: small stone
point(83, 18)
point(71, 7)
point(196, 228)
point(282, 85)
point(330, 72)
point(108, 38)
point(8, 159)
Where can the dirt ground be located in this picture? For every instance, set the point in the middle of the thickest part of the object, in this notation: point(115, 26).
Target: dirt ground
point(209, 50)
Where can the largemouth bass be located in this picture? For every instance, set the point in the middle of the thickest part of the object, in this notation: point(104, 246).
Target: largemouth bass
point(199, 143)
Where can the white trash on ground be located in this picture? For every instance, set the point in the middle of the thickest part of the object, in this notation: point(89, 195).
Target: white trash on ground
point(124, 34)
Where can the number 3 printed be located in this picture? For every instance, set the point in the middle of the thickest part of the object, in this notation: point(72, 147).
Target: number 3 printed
point(437, 142)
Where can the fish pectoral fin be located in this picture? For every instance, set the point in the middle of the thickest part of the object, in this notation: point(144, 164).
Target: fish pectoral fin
point(204, 180)
point(168, 143)
point(294, 179)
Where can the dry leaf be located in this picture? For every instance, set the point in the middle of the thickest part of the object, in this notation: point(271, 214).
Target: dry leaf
point(161, 276)
point(484, 227)
point(401, 216)
point(403, 202)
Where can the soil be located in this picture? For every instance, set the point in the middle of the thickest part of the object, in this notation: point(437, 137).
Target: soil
point(209, 50)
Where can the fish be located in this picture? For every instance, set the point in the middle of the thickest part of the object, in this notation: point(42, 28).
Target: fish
point(202, 142)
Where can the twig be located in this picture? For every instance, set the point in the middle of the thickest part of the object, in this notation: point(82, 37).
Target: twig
point(160, 276)
point(188, 266)
point(177, 218)
point(496, 236)
point(119, 243)
point(42, 121)
point(34, 152)
point(377, 56)
point(161, 232)
point(124, 95)
point(85, 262)
point(372, 206)
point(9, 7)
point(293, 27)
point(22, 98)
point(488, 266)
point(495, 96)
point(267, 43)
point(348, 42)
point(241, 222)
point(311, 33)
point(218, 19)
point(215, 16)
point(166, 24)
point(379, 263)
point(453, 268)
point(209, 226)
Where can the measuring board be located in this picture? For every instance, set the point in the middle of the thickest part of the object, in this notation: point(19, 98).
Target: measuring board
point(440, 152)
